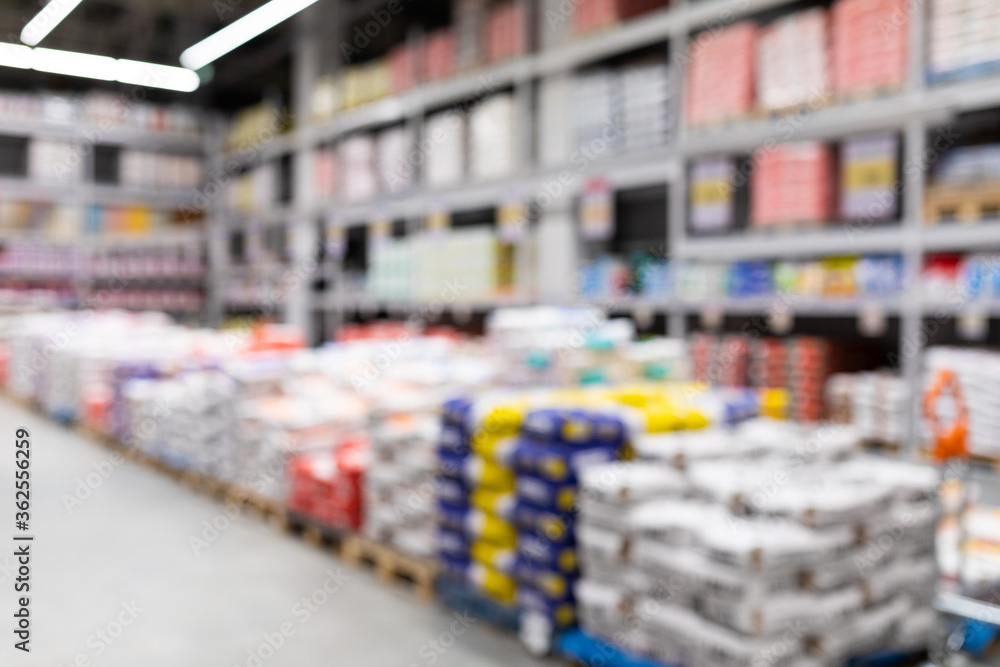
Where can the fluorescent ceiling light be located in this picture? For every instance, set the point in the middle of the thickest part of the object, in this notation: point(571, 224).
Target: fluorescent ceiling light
point(70, 63)
point(239, 32)
point(74, 64)
point(15, 55)
point(158, 76)
point(48, 18)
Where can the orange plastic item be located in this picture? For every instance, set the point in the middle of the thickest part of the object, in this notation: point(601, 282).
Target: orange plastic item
point(950, 442)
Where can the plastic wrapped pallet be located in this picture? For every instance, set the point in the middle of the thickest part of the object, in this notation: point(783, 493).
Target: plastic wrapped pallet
point(647, 113)
point(712, 194)
point(444, 139)
point(720, 82)
point(597, 111)
point(792, 184)
point(869, 45)
point(506, 32)
point(357, 168)
point(764, 532)
point(962, 39)
point(393, 159)
point(792, 63)
point(439, 55)
point(874, 403)
point(492, 137)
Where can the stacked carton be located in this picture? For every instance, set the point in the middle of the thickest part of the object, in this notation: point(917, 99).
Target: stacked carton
point(869, 41)
point(491, 137)
point(869, 177)
point(963, 38)
point(792, 183)
point(792, 67)
point(720, 83)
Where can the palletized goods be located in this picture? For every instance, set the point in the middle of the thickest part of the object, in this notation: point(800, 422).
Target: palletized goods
point(792, 183)
point(720, 82)
point(792, 65)
point(869, 44)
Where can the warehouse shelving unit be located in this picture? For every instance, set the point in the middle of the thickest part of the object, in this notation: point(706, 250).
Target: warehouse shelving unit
point(912, 111)
point(87, 191)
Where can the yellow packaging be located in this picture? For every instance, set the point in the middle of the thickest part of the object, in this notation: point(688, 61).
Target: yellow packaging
point(493, 583)
point(496, 557)
point(486, 527)
point(490, 475)
point(498, 503)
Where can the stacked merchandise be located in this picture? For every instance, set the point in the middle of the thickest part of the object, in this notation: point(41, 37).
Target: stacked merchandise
point(357, 173)
point(404, 73)
point(325, 172)
point(709, 569)
point(976, 371)
point(869, 44)
point(792, 183)
point(720, 82)
point(148, 169)
point(327, 485)
point(875, 404)
point(968, 538)
point(55, 161)
point(99, 109)
point(390, 270)
point(439, 55)
point(723, 361)
point(476, 539)
point(642, 275)
point(555, 24)
point(589, 15)
point(769, 363)
point(492, 138)
point(596, 111)
point(792, 67)
point(473, 253)
point(712, 194)
point(750, 278)
point(869, 177)
point(324, 100)
point(444, 135)
point(254, 126)
point(506, 32)
point(256, 190)
point(646, 105)
point(393, 160)
point(966, 165)
point(555, 447)
point(470, 28)
point(962, 39)
point(813, 361)
point(365, 83)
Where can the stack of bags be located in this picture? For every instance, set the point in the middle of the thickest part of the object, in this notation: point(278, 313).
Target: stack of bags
point(477, 538)
point(963, 38)
point(646, 105)
point(492, 138)
point(792, 67)
point(555, 446)
point(793, 183)
point(596, 109)
point(720, 83)
point(769, 544)
point(357, 168)
point(394, 171)
point(869, 177)
point(445, 163)
point(873, 403)
point(399, 485)
point(327, 485)
point(869, 41)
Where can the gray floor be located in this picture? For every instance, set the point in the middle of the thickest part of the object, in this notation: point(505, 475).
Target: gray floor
point(129, 544)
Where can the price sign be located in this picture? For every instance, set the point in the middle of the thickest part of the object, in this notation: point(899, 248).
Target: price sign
point(973, 325)
point(780, 320)
point(872, 320)
point(438, 223)
point(597, 210)
point(711, 316)
point(512, 218)
point(379, 232)
point(336, 241)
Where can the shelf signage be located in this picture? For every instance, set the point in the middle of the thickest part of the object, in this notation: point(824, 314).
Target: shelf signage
point(597, 210)
point(512, 219)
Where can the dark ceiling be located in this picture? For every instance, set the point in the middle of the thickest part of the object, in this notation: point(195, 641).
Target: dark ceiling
point(158, 31)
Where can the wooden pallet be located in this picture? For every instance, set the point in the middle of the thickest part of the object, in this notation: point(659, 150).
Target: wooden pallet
point(314, 532)
point(390, 565)
point(871, 93)
point(268, 508)
point(781, 228)
point(763, 113)
point(962, 203)
point(882, 446)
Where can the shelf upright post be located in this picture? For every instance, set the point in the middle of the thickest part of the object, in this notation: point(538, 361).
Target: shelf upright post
point(302, 227)
point(216, 223)
point(912, 338)
point(677, 186)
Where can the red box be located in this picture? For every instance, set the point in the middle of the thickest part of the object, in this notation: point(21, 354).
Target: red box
point(869, 44)
point(506, 31)
point(327, 486)
point(793, 183)
point(720, 80)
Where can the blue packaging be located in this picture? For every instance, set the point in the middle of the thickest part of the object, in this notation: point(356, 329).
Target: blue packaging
point(544, 553)
point(452, 543)
point(453, 491)
point(546, 494)
point(452, 517)
point(555, 526)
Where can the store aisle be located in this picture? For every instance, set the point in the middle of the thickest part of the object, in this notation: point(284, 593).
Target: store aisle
point(115, 579)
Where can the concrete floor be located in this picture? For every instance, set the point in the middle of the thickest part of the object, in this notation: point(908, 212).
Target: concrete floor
point(125, 555)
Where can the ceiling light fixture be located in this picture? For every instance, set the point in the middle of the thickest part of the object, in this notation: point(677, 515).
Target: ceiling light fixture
point(71, 63)
point(48, 18)
point(241, 31)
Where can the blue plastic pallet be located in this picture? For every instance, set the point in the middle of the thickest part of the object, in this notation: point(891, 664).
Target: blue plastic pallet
point(577, 645)
point(977, 71)
point(462, 597)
